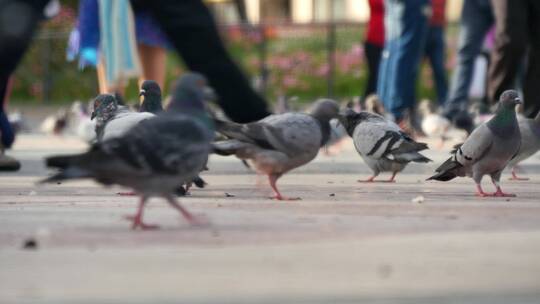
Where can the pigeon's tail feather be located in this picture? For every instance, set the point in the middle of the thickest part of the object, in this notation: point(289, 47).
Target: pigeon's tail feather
point(231, 130)
point(412, 157)
point(62, 161)
point(447, 171)
point(199, 182)
point(69, 173)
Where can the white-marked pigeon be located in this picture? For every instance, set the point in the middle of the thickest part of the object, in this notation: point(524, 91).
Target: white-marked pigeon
point(381, 143)
point(433, 124)
point(279, 143)
point(112, 119)
point(151, 93)
point(488, 149)
point(530, 142)
point(155, 156)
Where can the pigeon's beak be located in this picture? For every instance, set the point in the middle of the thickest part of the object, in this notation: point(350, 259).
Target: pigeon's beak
point(142, 92)
point(209, 94)
point(93, 115)
point(517, 100)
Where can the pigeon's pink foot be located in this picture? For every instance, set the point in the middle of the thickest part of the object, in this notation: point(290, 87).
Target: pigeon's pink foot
point(279, 197)
point(481, 193)
point(500, 193)
point(277, 194)
point(517, 178)
point(192, 220)
point(136, 222)
point(369, 180)
point(126, 193)
point(372, 179)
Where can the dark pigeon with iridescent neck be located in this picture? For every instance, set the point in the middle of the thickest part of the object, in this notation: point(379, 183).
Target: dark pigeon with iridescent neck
point(151, 93)
point(155, 156)
point(488, 149)
point(279, 143)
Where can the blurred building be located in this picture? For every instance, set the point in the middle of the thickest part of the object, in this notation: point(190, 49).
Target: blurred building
point(305, 11)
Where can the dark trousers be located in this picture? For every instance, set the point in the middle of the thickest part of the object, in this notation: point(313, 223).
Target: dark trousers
point(406, 28)
point(435, 53)
point(517, 31)
point(14, 40)
point(373, 57)
point(191, 29)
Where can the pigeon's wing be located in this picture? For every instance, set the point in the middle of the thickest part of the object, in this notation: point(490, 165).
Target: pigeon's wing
point(289, 133)
point(123, 122)
point(171, 146)
point(476, 146)
point(376, 138)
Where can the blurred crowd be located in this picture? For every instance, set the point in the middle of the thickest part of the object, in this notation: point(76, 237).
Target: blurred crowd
point(402, 33)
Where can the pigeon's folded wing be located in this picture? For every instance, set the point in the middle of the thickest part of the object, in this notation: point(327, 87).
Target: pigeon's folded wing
point(475, 147)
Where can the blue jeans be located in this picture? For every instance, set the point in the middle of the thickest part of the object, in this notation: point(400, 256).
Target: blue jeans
point(435, 50)
point(476, 20)
point(406, 25)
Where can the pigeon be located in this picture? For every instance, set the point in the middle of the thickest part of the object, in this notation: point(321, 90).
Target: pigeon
point(433, 124)
point(488, 149)
point(280, 142)
point(151, 93)
point(80, 123)
point(112, 119)
point(153, 157)
point(530, 142)
point(374, 105)
point(381, 143)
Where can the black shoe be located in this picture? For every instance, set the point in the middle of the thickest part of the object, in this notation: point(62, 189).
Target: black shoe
point(8, 163)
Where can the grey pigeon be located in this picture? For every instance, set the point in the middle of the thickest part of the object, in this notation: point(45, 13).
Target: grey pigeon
point(530, 142)
point(152, 158)
point(151, 93)
point(112, 119)
point(488, 149)
point(381, 143)
point(279, 143)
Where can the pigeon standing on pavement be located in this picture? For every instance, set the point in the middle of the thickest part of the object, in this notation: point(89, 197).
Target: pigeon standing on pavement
point(153, 157)
point(381, 143)
point(279, 143)
point(151, 93)
point(488, 149)
point(530, 142)
point(112, 119)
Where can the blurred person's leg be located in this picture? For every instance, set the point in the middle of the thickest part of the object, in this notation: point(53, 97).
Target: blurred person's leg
point(511, 36)
point(193, 32)
point(373, 58)
point(387, 65)
point(153, 60)
point(23, 18)
point(412, 24)
point(435, 51)
point(531, 86)
point(476, 20)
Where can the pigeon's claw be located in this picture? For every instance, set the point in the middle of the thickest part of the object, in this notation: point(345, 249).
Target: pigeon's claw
point(517, 178)
point(500, 193)
point(280, 197)
point(277, 195)
point(138, 223)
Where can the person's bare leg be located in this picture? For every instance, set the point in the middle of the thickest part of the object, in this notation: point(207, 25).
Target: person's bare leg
point(102, 83)
point(153, 62)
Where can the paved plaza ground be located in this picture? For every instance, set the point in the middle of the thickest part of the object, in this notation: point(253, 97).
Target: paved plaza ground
point(344, 242)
